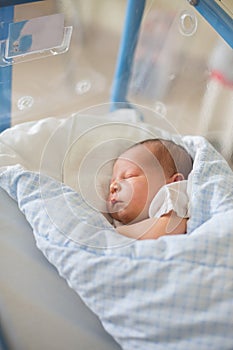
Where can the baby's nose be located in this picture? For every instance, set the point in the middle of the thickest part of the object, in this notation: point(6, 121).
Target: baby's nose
point(115, 187)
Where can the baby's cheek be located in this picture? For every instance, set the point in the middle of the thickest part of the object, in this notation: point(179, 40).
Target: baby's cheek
point(140, 200)
point(127, 191)
point(140, 195)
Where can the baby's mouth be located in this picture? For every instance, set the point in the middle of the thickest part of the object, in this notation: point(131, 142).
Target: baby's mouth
point(113, 199)
point(116, 201)
point(115, 205)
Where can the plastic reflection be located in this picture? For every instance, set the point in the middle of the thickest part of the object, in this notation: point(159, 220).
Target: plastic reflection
point(25, 102)
point(188, 23)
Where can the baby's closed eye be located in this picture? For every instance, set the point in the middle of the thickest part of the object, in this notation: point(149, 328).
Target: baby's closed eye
point(128, 176)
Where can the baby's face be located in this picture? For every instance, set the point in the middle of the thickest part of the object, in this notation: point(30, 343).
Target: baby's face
point(137, 176)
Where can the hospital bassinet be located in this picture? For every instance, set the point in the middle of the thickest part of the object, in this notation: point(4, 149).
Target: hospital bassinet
point(67, 280)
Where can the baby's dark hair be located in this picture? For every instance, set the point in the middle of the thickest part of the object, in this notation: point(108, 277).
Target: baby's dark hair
point(172, 157)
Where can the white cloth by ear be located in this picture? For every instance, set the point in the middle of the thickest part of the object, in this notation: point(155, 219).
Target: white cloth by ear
point(171, 197)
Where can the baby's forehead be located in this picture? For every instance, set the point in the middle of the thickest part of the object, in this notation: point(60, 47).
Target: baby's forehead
point(138, 155)
point(137, 151)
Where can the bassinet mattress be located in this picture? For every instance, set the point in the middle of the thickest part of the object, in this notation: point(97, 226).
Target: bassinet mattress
point(171, 293)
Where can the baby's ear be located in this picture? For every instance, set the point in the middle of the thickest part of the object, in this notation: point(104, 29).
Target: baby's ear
point(176, 177)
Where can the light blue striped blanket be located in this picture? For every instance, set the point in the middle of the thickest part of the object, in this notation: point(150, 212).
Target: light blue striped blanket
point(172, 293)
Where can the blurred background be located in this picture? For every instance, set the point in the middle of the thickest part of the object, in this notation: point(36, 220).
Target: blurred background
point(182, 69)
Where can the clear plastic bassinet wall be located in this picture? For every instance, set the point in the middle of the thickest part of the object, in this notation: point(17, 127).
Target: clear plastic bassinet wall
point(182, 70)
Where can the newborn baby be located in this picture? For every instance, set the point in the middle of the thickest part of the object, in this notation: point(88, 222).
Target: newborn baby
point(147, 193)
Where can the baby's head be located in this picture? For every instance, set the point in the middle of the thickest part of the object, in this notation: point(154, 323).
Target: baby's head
point(140, 172)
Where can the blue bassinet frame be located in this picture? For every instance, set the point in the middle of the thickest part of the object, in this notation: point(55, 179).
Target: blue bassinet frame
point(209, 9)
point(6, 17)
point(134, 14)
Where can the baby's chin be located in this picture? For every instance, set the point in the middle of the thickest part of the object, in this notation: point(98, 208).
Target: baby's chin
point(123, 217)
